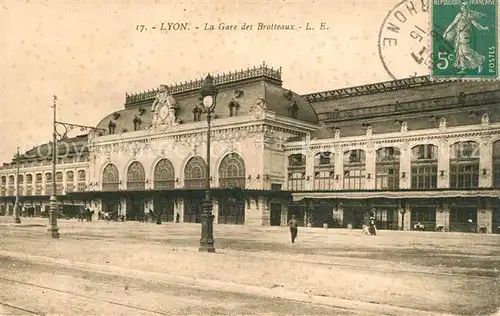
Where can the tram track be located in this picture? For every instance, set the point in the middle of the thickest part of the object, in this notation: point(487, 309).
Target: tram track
point(314, 262)
point(81, 296)
point(31, 312)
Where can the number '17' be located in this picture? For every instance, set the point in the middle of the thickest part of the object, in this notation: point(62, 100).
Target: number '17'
point(139, 27)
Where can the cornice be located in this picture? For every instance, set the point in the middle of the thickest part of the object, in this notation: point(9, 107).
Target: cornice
point(475, 131)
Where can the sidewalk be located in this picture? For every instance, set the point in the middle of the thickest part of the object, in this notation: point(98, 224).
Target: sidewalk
point(374, 286)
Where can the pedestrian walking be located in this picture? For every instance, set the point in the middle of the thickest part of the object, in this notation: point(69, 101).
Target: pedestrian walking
point(293, 224)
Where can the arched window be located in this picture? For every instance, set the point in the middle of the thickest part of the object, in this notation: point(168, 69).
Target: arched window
point(324, 171)
point(387, 168)
point(354, 169)
point(48, 183)
point(464, 165)
point(232, 175)
point(496, 164)
point(59, 182)
point(70, 184)
point(195, 173)
point(29, 184)
point(38, 184)
point(232, 171)
point(424, 164)
point(136, 177)
point(20, 182)
point(81, 180)
point(296, 172)
point(164, 175)
point(3, 186)
point(11, 187)
point(110, 178)
point(111, 127)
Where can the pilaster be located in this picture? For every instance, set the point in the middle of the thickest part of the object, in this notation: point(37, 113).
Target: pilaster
point(339, 169)
point(443, 216)
point(485, 163)
point(443, 181)
point(405, 167)
point(370, 167)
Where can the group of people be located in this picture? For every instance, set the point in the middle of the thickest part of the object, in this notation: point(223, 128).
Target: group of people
point(85, 214)
point(293, 224)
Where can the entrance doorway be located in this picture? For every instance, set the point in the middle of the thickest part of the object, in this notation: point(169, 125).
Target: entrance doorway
point(166, 207)
point(463, 218)
point(275, 214)
point(425, 215)
point(231, 211)
point(135, 209)
point(192, 209)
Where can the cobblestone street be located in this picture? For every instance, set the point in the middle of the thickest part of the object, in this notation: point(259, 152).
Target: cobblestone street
point(146, 269)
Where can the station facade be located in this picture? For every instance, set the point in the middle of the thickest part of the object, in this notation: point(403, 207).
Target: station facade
point(410, 151)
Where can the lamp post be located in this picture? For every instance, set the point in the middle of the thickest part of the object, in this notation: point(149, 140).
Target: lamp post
point(59, 132)
point(17, 220)
point(209, 97)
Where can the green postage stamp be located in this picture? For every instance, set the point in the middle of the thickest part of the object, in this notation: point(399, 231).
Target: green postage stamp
point(464, 39)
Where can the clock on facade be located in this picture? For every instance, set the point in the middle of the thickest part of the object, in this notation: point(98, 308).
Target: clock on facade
point(163, 112)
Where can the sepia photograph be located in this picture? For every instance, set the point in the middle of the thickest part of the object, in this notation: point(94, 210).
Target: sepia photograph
point(239, 157)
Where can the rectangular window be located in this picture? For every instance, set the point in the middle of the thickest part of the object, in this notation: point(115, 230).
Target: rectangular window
point(354, 179)
point(424, 176)
point(464, 174)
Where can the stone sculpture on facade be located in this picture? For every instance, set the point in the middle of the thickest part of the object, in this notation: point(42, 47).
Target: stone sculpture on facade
point(258, 110)
point(164, 110)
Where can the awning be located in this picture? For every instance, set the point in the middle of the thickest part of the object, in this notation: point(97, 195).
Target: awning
point(400, 194)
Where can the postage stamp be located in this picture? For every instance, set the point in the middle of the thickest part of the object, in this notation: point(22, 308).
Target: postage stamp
point(464, 36)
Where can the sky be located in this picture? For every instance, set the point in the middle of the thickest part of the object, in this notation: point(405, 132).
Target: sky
point(90, 53)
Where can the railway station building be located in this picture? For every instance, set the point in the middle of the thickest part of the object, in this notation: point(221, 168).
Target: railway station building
point(410, 151)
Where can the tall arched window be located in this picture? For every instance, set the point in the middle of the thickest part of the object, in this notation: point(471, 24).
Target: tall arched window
point(29, 184)
point(296, 172)
point(136, 177)
point(464, 165)
point(164, 175)
point(3, 186)
point(354, 169)
point(424, 164)
point(324, 171)
point(81, 180)
point(496, 164)
point(232, 171)
point(70, 181)
point(38, 183)
point(59, 182)
point(110, 178)
point(195, 173)
point(20, 181)
point(232, 175)
point(11, 186)
point(48, 183)
point(387, 168)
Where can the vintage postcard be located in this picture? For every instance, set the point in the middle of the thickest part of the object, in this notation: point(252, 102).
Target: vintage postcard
point(249, 157)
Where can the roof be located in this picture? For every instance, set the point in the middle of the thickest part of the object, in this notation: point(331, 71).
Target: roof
point(68, 148)
point(244, 93)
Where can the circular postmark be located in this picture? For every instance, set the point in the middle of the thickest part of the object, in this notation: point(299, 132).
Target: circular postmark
point(403, 40)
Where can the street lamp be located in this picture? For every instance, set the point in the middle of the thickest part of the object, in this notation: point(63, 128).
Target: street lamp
point(59, 132)
point(17, 220)
point(209, 98)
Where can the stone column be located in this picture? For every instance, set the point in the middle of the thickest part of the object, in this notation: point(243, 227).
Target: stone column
point(215, 210)
point(370, 167)
point(404, 216)
point(309, 180)
point(339, 169)
point(485, 216)
point(485, 163)
point(266, 211)
point(443, 216)
point(443, 164)
point(405, 167)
